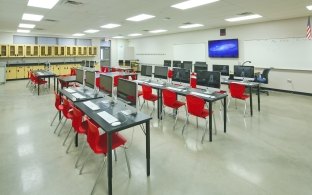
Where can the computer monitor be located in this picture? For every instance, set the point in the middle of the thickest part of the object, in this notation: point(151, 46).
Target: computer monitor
point(200, 67)
point(106, 84)
point(127, 62)
point(244, 72)
point(161, 72)
point(127, 91)
point(79, 76)
point(181, 75)
point(90, 79)
point(223, 69)
point(167, 63)
point(176, 64)
point(209, 79)
point(120, 62)
point(187, 65)
point(146, 70)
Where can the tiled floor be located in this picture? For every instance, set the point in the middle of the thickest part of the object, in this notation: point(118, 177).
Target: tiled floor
point(269, 153)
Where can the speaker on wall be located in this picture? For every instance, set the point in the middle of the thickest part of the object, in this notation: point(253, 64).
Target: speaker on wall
point(222, 32)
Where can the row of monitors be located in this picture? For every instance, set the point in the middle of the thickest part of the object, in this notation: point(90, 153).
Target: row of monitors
point(126, 90)
point(124, 63)
point(184, 64)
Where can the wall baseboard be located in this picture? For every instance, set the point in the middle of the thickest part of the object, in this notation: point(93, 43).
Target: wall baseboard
point(287, 91)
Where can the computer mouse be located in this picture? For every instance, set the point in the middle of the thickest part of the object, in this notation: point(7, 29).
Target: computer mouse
point(116, 123)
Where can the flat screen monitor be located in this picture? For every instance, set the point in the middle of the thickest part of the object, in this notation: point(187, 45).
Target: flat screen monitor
point(127, 91)
point(160, 72)
point(106, 84)
point(209, 79)
point(127, 62)
point(167, 63)
point(187, 65)
point(223, 69)
point(79, 76)
point(146, 70)
point(227, 48)
point(176, 64)
point(200, 67)
point(181, 75)
point(90, 79)
point(242, 72)
point(120, 62)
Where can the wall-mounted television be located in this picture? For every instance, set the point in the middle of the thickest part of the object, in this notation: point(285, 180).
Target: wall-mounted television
point(226, 48)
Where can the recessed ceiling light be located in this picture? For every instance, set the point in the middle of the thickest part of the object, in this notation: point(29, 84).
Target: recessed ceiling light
point(157, 31)
point(118, 37)
point(309, 7)
point(32, 17)
point(240, 18)
point(110, 26)
point(21, 25)
point(192, 3)
point(134, 35)
point(78, 34)
point(23, 31)
point(91, 31)
point(140, 17)
point(191, 26)
point(46, 4)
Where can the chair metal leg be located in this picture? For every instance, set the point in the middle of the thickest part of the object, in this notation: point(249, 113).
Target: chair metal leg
point(236, 104)
point(215, 126)
point(84, 163)
point(70, 143)
point(202, 141)
point(176, 118)
point(115, 155)
point(58, 124)
point(127, 160)
point(142, 105)
point(67, 135)
point(54, 118)
point(62, 128)
point(197, 122)
point(153, 109)
point(185, 123)
point(83, 147)
point(100, 173)
point(245, 108)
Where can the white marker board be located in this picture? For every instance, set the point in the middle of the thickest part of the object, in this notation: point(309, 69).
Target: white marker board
point(289, 53)
point(190, 52)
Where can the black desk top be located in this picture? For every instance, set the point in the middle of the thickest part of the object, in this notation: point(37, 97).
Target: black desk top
point(115, 110)
point(86, 94)
point(112, 74)
point(183, 90)
point(246, 83)
point(44, 73)
point(67, 78)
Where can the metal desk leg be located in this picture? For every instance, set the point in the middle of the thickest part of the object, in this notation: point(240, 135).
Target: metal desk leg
point(258, 89)
point(210, 121)
point(147, 128)
point(57, 84)
point(38, 86)
point(49, 81)
point(109, 163)
point(159, 104)
point(250, 93)
point(54, 83)
point(76, 140)
point(224, 114)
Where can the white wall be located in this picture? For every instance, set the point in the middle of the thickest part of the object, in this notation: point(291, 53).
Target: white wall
point(155, 49)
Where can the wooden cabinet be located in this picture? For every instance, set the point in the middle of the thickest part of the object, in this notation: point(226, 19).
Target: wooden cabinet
point(82, 50)
point(59, 51)
point(71, 51)
point(10, 73)
point(16, 50)
point(3, 51)
point(46, 51)
point(31, 50)
point(92, 51)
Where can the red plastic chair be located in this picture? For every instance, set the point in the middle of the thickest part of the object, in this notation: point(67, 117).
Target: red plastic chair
point(238, 92)
point(67, 113)
point(196, 107)
point(36, 81)
point(116, 80)
point(73, 71)
point(104, 69)
point(148, 96)
point(170, 100)
point(170, 74)
point(58, 105)
point(193, 80)
point(98, 144)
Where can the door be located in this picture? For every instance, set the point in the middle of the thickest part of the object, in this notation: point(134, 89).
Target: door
point(105, 56)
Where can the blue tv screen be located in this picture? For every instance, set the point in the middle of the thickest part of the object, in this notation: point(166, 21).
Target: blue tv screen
point(227, 48)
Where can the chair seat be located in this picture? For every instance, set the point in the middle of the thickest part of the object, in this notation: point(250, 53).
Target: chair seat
point(117, 140)
point(152, 98)
point(83, 128)
point(203, 114)
point(60, 107)
point(69, 115)
point(243, 97)
point(176, 105)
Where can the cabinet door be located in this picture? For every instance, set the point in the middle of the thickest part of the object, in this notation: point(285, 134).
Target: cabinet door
point(26, 71)
point(20, 50)
point(3, 51)
point(68, 51)
point(42, 51)
point(20, 72)
point(10, 73)
point(35, 50)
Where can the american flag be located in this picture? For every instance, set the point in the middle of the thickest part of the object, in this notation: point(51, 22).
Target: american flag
point(309, 36)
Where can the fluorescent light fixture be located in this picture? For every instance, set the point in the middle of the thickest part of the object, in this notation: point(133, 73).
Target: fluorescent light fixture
point(110, 26)
point(21, 25)
point(309, 7)
point(191, 26)
point(91, 31)
point(118, 37)
point(78, 34)
point(134, 35)
point(140, 17)
point(192, 3)
point(240, 18)
point(157, 31)
point(46, 4)
point(23, 31)
point(32, 17)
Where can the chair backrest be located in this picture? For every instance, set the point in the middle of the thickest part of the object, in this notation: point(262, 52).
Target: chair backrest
point(265, 74)
point(73, 71)
point(93, 134)
point(237, 90)
point(169, 97)
point(147, 91)
point(57, 100)
point(66, 107)
point(116, 80)
point(195, 105)
point(77, 118)
point(170, 73)
point(193, 81)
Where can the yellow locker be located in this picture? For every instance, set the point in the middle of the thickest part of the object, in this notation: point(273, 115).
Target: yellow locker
point(10, 73)
point(20, 72)
point(3, 51)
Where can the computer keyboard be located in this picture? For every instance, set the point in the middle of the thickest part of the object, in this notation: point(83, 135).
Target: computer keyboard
point(91, 105)
point(69, 90)
point(202, 95)
point(77, 95)
point(174, 89)
point(107, 117)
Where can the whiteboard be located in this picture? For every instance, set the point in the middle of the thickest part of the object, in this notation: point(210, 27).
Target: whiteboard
point(290, 53)
point(190, 52)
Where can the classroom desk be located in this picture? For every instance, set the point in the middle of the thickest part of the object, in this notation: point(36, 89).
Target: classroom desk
point(126, 122)
point(250, 86)
point(65, 79)
point(42, 74)
point(159, 86)
point(113, 74)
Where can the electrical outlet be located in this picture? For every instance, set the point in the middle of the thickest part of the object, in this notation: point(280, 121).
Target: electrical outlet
point(289, 81)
